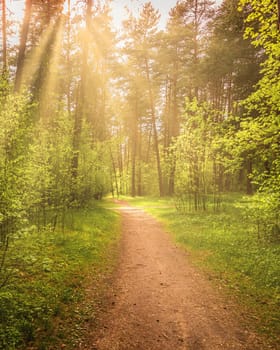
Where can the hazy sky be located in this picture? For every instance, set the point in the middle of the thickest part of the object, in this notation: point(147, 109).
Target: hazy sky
point(163, 6)
point(16, 6)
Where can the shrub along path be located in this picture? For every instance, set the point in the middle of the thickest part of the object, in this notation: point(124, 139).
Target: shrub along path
point(159, 301)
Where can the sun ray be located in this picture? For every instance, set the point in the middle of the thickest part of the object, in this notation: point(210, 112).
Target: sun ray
point(34, 58)
point(50, 86)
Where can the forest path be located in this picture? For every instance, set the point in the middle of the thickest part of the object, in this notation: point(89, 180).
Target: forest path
point(159, 301)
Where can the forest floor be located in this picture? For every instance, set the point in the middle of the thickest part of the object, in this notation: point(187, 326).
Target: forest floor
point(158, 300)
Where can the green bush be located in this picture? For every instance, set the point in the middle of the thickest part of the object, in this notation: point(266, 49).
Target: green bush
point(47, 273)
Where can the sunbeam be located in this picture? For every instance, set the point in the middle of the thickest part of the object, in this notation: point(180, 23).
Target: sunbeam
point(48, 91)
point(34, 59)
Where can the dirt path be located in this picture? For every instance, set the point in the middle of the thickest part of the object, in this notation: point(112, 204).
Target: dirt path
point(160, 302)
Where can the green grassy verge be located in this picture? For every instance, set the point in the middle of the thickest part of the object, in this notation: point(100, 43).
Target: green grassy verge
point(40, 307)
point(227, 247)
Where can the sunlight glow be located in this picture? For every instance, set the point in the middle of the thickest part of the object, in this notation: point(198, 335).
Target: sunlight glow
point(66, 7)
point(49, 90)
point(34, 60)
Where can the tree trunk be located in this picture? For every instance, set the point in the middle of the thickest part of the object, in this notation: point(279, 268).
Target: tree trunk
point(196, 33)
point(121, 168)
point(22, 45)
point(249, 187)
point(4, 38)
point(81, 101)
point(134, 153)
point(139, 177)
point(133, 173)
point(174, 130)
point(278, 2)
point(68, 58)
point(133, 158)
point(115, 175)
point(155, 133)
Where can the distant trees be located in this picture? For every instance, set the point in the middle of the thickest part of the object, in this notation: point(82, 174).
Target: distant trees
point(197, 55)
point(181, 53)
point(136, 93)
point(142, 90)
point(173, 58)
point(231, 64)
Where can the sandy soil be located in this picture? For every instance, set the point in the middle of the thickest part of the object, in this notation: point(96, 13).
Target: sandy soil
point(159, 301)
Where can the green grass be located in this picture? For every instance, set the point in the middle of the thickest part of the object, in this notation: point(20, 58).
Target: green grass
point(41, 304)
point(226, 246)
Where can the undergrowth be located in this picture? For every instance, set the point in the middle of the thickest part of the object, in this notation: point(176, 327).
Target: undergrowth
point(228, 247)
point(38, 305)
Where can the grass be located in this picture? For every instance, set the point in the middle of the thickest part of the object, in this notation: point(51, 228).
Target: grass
point(42, 306)
point(226, 246)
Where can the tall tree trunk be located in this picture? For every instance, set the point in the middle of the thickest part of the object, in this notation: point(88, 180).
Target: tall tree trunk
point(68, 93)
point(174, 130)
point(139, 175)
point(154, 126)
point(166, 129)
point(133, 161)
point(120, 163)
point(133, 170)
point(134, 149)
point(278, 2)
point(81, 101)
point(4, 38)
point(115, 175)
point(167, 112)
point(196, 32)
point(85, 55)
point(22, 45)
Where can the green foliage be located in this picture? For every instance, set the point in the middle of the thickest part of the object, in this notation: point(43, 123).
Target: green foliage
point(94, 168)
point(266, 204)
point(37, 185)
point(14, 141)
point(49, 170)
point(259, 132)
point(199, 160)
point(264, 213)
point(47, 280)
